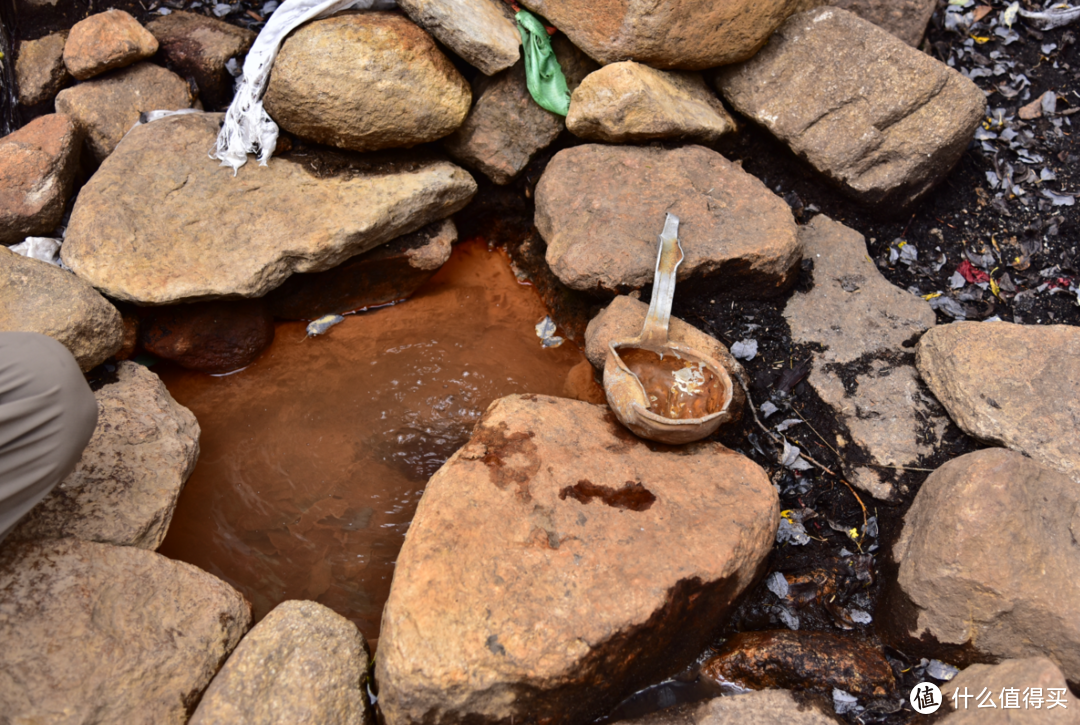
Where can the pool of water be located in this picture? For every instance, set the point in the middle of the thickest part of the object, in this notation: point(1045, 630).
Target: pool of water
point(313, 458)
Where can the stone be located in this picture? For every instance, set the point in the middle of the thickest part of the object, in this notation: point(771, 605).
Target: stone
point(388, 273)
point(366, 81)
point(161, 222)
point(629, 102)
point(123, 490)
point(601, 208)
point(482, 32)
point(199, 47)
point(624, 318)
point(99, 633)
point(37, 170)
point(877, 117)
point(106, 108)
point(104, 41)
point(218, 336)
point(40, 72)
point(681, 34)
point(303, 663)
point(1012, 385)
point(906, 19)
point(988, 559)
point(864, 322)
point(557, 563)
point(1020, 674)
point(506, 127)
point(36, 296)
point(765, 707)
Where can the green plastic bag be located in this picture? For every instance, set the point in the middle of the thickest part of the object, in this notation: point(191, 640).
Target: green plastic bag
point(545, 78)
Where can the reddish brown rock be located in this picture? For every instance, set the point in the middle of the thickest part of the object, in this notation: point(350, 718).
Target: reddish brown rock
point(600, 210)
point(1024, 677)
point(482, 32)
point(40, 72)
point(108, 40)
point(765, 707)
point(557, 563)
point(213, 337)
point(106, 108)
point(37, 169)
point(906, 19)
point(388, 273)
point(198, 47)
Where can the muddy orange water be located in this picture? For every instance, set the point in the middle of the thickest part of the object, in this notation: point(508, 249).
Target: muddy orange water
point(314, 457)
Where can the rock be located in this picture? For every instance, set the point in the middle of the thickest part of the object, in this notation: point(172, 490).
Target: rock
point(906, 19)
point(218, 336)
point(108, 40)
point(36, 296)
point(40, 72)
point(161, 222)
point(99, 633)
point(601, 208)
point(680, 34)
point(124, 489)
point(482, 32)
point(506, 127)
point(623, 319)
point(106, 108)
point(388, 273)
point(1033, 673)
point(988, 560)
point(629, 103)
point(582, 384)
point(197, 46)
point(366, 81)
point(585, 564)
point(877, 117)
point(37, 168)
point(766, 707)
point(303, 663)
point(864, 323)
point(1013, 385)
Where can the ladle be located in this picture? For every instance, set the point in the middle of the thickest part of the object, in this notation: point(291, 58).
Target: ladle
point(661, 390)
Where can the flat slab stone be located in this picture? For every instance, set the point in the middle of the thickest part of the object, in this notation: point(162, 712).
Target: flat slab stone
point(99, 633)
point(161, 222)
point(36, 296)
point(1023, 675)
point(1013, 385)
point(40, 72)
point(877, 117)
point(124, 489)
point(107, 40)
point(988, 559)
point(601, 208)
point(906, 19)
point(37, 170)
point(303, 663)
point(557, 563)
point(482, 32)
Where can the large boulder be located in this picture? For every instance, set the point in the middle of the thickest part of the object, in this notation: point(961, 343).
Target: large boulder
point(36, 296)
point(101, 42)
point(683, 34)
point(99, 633)
point(218, 336)
point(906, 19)
point(877, 117)
point(124, 489)
point(480, 31)
point(199, 47)
point(366, 81)
point(1014, 385)
point(989, 560)
point(161, 222)
point(865, 373)
point(601, 208)
point(1034, 682)
point(40, 72)
point(303, 663)
point(106, 108)
point(629, 102)
point(536, 579)
point(37, 168)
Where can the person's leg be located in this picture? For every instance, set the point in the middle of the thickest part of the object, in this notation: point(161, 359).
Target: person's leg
point(47, 415)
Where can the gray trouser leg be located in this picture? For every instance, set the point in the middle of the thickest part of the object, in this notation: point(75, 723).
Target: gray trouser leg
point(47, 415)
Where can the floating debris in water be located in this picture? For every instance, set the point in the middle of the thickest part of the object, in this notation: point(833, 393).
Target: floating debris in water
point(792, 458)
point(767, 408)
point(787, 424)
point(324, 323)
point(777, 584)
point(791, 533)
point(744, 349)
point(941, 671)
point(859, 616)
point(844, 702)
point(545, 330)
point(788, 617)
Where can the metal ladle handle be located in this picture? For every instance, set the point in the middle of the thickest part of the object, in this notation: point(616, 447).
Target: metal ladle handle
point(654, 333)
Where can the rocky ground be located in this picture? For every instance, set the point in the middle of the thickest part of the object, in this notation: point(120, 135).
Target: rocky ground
point(882, 252)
